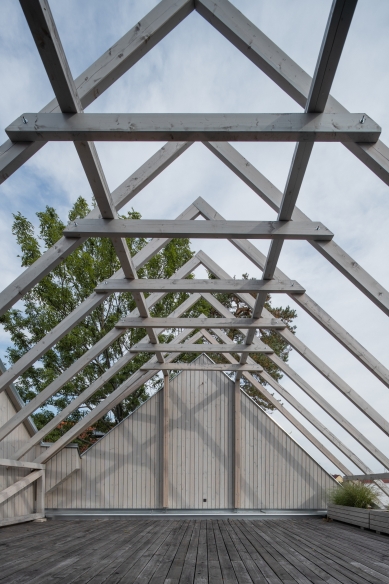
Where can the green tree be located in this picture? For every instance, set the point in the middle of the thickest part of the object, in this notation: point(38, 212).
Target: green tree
point(59, 293)
point(74, 280)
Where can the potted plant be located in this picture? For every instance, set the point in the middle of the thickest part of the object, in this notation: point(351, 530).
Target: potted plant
point(352, 502)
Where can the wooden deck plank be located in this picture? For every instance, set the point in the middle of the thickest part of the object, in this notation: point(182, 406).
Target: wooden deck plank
point(273, 564)
point(113, 571)
point(167, 559)
point(98, 556)
point(8, 548)
point(315, 553)
point(187, 575)
point(295, 568)
point(350, 547)
point(146, 550)
point(333, 548)
point(313, 573)
point(175, 571)
point(352, 540)
point(69, 544)
point(251, 567)
point(214, 569)
point(240, 570)
point(96, 552)
point(228, 571)
point(135, 565)
point(201, 570)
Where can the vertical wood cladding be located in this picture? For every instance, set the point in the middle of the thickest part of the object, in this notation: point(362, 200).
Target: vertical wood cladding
point(23, 502)
point(123, 470)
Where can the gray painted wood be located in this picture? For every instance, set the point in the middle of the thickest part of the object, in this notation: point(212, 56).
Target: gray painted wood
point(21, 504)
point(195, 367)
point(260, 323)
point(124, 469)
point(367, 477)
point(379, 521)
point(7, 462)
point(293, 230)
point(335, 254)
point(197, 348)
point(141, 258)
point(198, 285)
point(290, 77)
point(281, 551)
point(101, 74)
point(330, 52)
point(295, 127)
point(352, 515)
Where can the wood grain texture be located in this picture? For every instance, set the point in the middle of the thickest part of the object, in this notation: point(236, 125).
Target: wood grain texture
point(260, 323)
point(294, 230)
point(296, 127)
point(282, 551)
point(124, 469)
point(198, 285)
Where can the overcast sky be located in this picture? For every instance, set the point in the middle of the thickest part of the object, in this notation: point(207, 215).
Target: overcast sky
point(195, 69)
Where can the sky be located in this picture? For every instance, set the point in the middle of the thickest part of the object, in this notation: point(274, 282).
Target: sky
point(195, 69)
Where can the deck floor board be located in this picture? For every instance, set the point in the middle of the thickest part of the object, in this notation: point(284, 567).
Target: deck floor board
point(190, 551)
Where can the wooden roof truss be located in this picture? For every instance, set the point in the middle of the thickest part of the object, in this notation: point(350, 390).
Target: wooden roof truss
point(324, 119)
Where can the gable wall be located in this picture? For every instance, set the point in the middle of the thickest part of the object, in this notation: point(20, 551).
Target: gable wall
point(123, 470)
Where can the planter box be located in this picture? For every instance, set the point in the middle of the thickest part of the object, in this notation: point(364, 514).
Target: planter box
point(379, 520)
point(353, 515)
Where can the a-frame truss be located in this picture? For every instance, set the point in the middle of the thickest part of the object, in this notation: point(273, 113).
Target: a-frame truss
point(324, 119)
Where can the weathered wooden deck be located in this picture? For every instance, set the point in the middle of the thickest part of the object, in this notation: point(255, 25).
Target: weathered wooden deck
point(155, 551)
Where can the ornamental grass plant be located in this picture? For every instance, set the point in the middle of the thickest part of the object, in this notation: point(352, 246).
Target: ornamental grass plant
point(354, 494)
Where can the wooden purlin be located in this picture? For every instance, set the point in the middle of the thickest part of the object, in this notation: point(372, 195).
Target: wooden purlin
point(227, 19)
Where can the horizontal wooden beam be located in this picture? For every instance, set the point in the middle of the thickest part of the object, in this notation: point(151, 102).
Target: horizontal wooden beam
point(381, 476)
point(194, 323)
point(21, 519)
point(296, 127)
point(21, 464)
point(194, 367)
point(203, 348)
point(199, 229)
point(19, 485)
point(198, 285)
